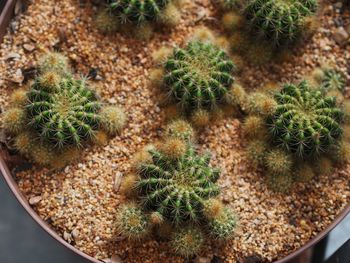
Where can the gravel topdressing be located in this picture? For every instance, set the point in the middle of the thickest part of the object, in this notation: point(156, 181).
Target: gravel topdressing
point(80, 202)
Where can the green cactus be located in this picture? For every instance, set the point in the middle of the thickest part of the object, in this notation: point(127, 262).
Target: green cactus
point(177, 189)
point(188, 241)
point(223, 226)
point(305, 122)
point(131, 222)
point(67, 115)
point(198, 76)
point(58, 114)
point(137, 11)
point(333, 80)
point(280, 21)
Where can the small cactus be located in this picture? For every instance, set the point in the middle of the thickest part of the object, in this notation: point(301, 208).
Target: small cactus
point(223, 225)
point(197, 78)
point(137, 11)
point(305, 122)
point(176, 190)
point(279, 21)
point(188, 241)
point(333, 80)
point(305, 128)
point(67, 115)
point(137, 15)
point(58, 114)
point(131, 222)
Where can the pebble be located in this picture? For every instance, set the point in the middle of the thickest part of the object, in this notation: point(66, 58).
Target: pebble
point(340, 36)
point(202, 260)
point(117, 181)
point(35, 200)
point(12, 55)
point(116, 259)
point(29, 47)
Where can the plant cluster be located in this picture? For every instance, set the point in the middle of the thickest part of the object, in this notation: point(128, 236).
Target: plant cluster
point(137, 16)
point(58, 115)
point(276, 23)
point(296, 132)
point(174, 193)
point(197, 78)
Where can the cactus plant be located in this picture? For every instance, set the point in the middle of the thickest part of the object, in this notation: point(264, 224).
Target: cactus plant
point(138, 14)
point(177, 191)
point(177, 188)
point(197, 78)
point(333, 80)
point(280, 21)
point(58, 114)
point(68, 115)
point(301, 136)
point(305, 122)
point(137, 11)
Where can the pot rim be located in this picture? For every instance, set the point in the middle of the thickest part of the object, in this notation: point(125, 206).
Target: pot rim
point(24, 202)
point(5, 15)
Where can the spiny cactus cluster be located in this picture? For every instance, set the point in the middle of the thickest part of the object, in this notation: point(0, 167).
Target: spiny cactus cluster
point(305, 122)
point(58, 115)
point(176, 190)
point(275, 23)
point(279, 21)
point(298, 137)
point(197, 78)
point(137, 15)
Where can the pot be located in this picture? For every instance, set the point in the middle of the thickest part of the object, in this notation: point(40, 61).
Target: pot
point(304, 254)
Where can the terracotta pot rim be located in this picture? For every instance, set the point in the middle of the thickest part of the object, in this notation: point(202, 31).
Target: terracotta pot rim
point(23, 201)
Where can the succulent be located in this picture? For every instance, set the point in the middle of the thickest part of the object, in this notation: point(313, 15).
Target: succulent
point(305, 122)
point(58, 114)
point(188, 241)
point(198, 76)
point(296, 132)
point(223, 225)
point(333, 80)
point(137, 15)
point(64, 115)
point(176, 190)
point(137, 10)
point(132, 222)
point(280, 21)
